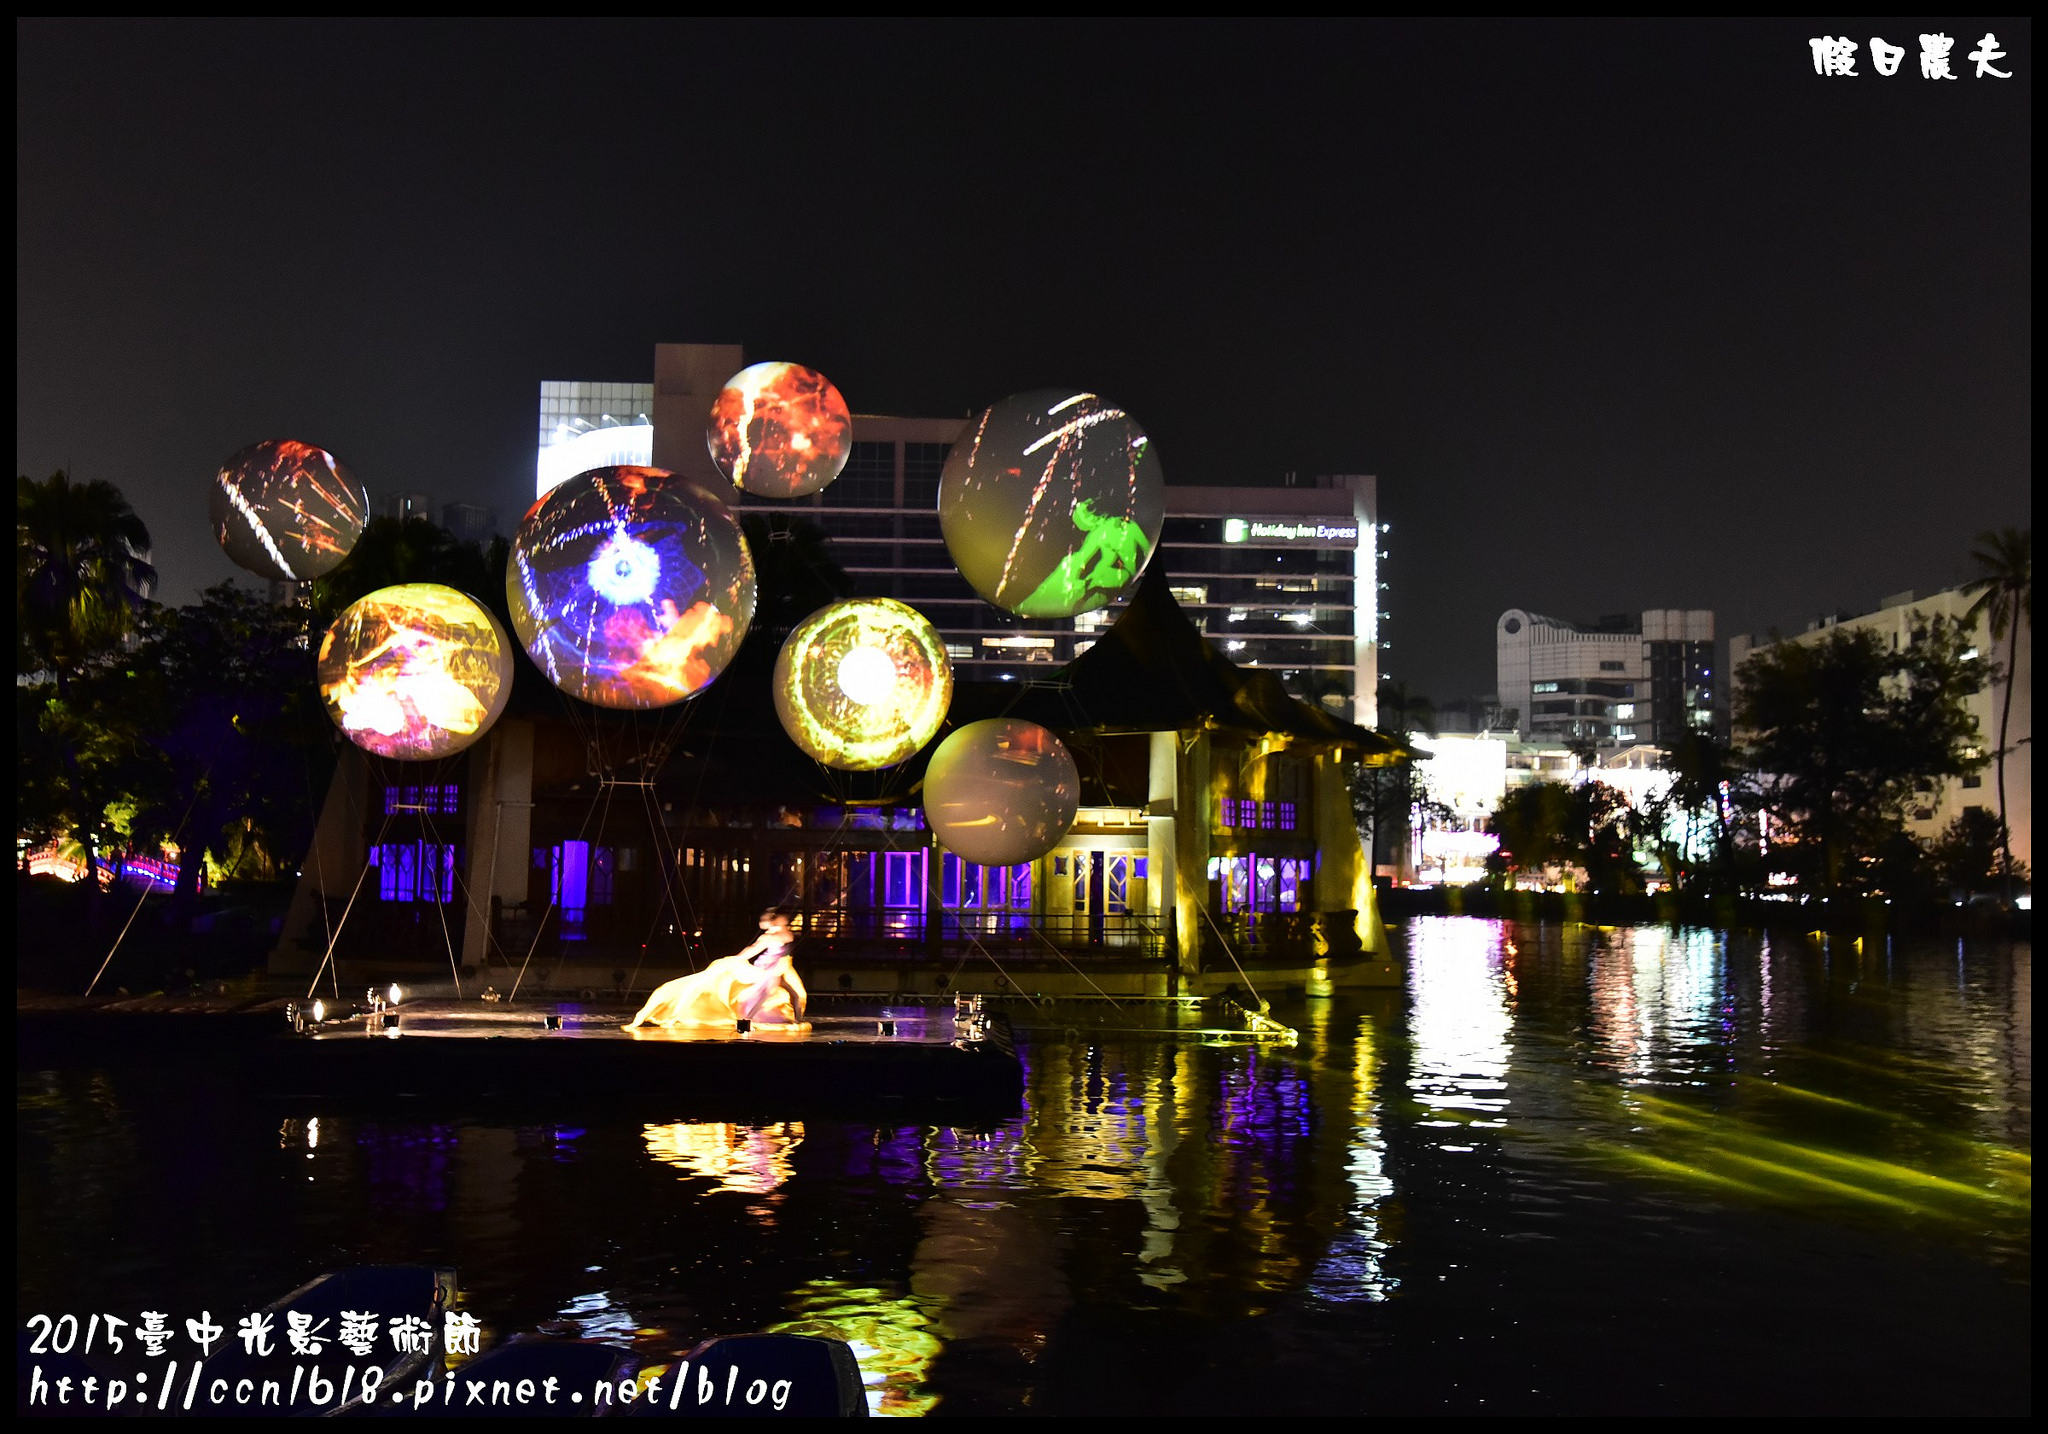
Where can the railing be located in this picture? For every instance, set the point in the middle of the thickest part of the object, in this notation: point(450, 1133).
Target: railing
point(892, 934)
point(903, 934)
point(1269, 933)
point(1121, 935)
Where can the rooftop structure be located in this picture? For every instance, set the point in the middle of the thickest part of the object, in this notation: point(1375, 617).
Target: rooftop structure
point(1617, 682)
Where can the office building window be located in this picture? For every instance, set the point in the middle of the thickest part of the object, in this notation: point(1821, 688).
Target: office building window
point(868, 480)
point(922, 465)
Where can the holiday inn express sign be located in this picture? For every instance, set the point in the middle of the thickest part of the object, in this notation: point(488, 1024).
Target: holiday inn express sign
point(1306, 532)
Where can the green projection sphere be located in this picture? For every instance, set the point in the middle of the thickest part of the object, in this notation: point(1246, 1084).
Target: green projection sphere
point(415, 672)
point(863, 684)
point(1051, 505)
point(1001, 792)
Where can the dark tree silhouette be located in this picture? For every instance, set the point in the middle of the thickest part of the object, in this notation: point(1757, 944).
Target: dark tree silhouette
point(1839, 730)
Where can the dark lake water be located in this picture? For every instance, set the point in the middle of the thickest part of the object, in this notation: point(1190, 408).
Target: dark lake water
point(1573, 1171)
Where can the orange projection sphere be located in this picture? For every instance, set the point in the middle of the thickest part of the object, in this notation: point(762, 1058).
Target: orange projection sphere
point(1001, 792)
point(779, 430)
point(287, 510)
point(415, 672)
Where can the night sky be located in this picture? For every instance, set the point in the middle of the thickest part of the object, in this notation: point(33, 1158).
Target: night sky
point(1622, 315)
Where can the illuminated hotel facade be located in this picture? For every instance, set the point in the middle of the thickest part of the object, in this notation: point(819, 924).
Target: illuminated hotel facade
point(1282, 578)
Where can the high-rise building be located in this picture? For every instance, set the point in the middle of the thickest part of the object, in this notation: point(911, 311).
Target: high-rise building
point(407, 506)
point(470, 522)
point(1617, 682)
point(1283, 577)
point(591, 425)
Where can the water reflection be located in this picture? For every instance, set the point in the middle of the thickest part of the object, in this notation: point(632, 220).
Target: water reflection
point(736, 1159)
point(890, 1335)
point(1657, 1003)
point(1558, 1112)
point(1459, 1025)
point(1354, 1268)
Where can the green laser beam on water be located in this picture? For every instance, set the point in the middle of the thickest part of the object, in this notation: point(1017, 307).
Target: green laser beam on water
point(1727, 1138)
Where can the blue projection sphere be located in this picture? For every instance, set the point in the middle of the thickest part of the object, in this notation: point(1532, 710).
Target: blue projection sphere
point(630, 587)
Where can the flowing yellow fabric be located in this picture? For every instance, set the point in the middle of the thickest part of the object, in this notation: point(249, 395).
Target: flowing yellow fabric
point(713, 996)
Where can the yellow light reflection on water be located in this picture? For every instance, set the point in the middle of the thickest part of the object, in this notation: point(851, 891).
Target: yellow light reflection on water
point(889, 1335)
point(739, 1159)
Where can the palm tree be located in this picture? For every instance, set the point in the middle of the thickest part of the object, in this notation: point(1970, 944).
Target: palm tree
point(81, 574)
point(2004, 590)
point(1402, 713)
point(81, 579)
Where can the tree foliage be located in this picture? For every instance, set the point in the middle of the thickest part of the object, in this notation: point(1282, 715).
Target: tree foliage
point(239, 744)
point(1840, 730)
point(1559, 833)
point(1691, 827)
point(81, 575)
point(413, 550)
point(1385, 800)
point(1973, 853)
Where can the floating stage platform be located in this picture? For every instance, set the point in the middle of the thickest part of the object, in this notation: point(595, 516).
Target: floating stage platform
point(853, 1059)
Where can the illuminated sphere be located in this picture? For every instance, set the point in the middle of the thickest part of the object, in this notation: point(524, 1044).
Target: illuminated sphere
point(1051, 503)
point(630, 587)
point(779, 430)
point(415, 672)
point(863, 684)
point(1001, 792)
point(287, 510)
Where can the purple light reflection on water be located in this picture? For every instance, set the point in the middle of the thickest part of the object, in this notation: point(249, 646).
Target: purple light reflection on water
point(1264, 1109)
point(407, 1166)
point(895, 1156)
point(559, 1141)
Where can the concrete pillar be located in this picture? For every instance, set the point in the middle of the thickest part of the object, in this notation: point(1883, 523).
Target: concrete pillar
point(934, 896)
point(500, 830)
point(1343, 879)
point(687, 377)
point(1161, 893)
point(1191, 817)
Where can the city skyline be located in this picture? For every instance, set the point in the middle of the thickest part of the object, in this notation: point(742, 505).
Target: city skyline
point(1622, 315)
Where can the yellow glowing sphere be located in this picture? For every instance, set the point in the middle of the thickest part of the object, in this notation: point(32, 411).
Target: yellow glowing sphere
point(867, 675)
point(415, 672)
point(863, 684)
point(1001, 792)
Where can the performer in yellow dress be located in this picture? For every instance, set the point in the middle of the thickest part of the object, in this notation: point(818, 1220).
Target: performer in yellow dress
point(758, 984)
